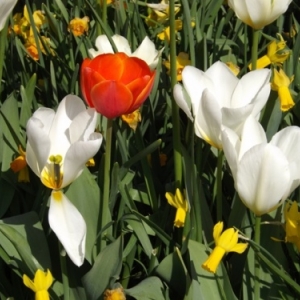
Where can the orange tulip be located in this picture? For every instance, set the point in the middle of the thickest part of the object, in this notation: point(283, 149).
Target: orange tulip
point(115, 84)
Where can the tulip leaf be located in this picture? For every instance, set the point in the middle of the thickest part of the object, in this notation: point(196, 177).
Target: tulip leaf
point(22, 238)
point(105, 270)
point(149, 289)
point(212, 286)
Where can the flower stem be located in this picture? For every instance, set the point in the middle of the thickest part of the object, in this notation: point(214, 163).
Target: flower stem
point(219, 185)
point(64, 271)
point(257, 255)
point(175, 109)
point(254, 48)
point(106, 184)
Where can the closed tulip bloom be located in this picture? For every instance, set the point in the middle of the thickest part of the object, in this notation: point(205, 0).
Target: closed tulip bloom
point(115, 84)
point(6, 7)
point(265, 174)
point(259, 13)
point(217, 98)
point(59, 145)
point(226, 241)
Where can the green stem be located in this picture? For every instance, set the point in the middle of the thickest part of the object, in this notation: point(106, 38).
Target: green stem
point(254, 48)
point(175, 109)
point(103, 4)
point(64, 271)
point(106, 185)
point(219, 185)
point(257, 254)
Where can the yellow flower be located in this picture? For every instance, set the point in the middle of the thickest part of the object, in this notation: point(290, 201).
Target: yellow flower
point(20, 165)
point(116, 294)
point(281, 84)
point(182, 60)
point(165, 34)
point(182, 206)
point(132, 119)
point(276, 54)
point(233, 68)
point(292, 224)
point(40, 284)
point(79, 26)
point(225, 242)
point(31, 47)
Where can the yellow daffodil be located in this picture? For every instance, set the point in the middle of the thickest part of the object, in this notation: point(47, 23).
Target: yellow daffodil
point(132, 119)
point(165, 34)
point(276, 54)
point(159, 13)
point(225, 242)
point(20, 165)
point(116, 294)
point(292, 224)
point(281, 84)
point(79, 26)
point(32, 49)
point(182, 206)
point(233, 68)
point(182, 60)
point(40, 284)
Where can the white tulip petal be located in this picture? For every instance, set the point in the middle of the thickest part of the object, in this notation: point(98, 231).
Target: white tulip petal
point(121, 44)
point(147, 52)
point(224, 82)
point(6, 7)
point(288, 140)
point(77, 156)
point(194, 82)
point(241, 11)
point(249, 87)
point(103, 46)
point(208, 120)
point(38, 145)
point(234, 118)
point(182, 102)
point(46, 117)
point(252, 134)
point(231, 147)
point(67, 110)
point(68, 225)
point(263, 176)
point(83, 125)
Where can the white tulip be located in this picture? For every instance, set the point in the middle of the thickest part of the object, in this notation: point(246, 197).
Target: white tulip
point(146, 51)
point(264, 173)
point(59, 145)
point(217, 98)
point(6, 7)
point(259, 13)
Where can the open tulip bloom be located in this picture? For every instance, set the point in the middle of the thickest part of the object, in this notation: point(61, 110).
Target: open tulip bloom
point(115, 84)
point(259, 13)
point(265, 174)
point(146, 51)
point(217, 97)
point(59, 145)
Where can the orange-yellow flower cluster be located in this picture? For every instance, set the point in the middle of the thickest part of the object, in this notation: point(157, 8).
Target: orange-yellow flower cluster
point(23, 27)
point(79, 26)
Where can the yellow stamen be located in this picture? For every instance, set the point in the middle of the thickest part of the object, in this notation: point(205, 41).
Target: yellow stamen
point(52, 176)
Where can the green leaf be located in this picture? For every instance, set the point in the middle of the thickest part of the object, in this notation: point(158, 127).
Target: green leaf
point(149, 289)
point(105, 270)
point(23, 239)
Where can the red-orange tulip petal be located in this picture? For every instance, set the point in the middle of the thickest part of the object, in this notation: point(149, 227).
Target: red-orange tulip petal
point(111, 98)
point(110, 66)
point(140, 99)
point(133, 69)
